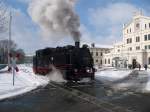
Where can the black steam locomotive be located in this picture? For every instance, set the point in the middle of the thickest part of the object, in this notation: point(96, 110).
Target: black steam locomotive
point(74, 62)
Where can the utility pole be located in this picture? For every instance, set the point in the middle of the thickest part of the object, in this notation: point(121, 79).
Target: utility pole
point(9, 40)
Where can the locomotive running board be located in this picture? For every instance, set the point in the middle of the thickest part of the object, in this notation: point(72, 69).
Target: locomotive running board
point(106, 106)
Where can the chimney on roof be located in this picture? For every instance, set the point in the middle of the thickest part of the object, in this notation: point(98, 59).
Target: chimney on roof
point(137, 14)
point(93, 45)
point(77, 44)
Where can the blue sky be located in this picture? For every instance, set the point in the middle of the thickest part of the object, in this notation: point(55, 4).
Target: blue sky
point(101, 22)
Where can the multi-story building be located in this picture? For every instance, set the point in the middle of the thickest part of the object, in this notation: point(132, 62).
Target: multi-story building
point(98, 54)
point(135, 44)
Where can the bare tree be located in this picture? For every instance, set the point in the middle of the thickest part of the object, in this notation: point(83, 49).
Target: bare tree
point(14, 50)
point(3, 17)
point(4, 44)
point(4, 49)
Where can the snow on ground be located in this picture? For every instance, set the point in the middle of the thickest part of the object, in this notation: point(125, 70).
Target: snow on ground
point(120, 79)
point(112, 74)
point(147, 87)
point(135, 82)
point(25, 81)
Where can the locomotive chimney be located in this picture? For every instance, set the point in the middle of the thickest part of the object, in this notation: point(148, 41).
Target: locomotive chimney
point(77, 44)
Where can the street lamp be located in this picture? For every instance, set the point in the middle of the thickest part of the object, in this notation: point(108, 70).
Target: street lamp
point(9, 40)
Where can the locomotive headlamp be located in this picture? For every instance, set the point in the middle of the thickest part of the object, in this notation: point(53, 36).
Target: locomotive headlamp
point(75, 70)
point(88, 70)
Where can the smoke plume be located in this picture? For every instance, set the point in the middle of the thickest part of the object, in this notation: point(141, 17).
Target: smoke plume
point(56, 17)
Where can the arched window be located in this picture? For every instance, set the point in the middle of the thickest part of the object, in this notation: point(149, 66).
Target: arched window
point(101, 62)
point(108, 61)
point(137, 25)
point(105, 61)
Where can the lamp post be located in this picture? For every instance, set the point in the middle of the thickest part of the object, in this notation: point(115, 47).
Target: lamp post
point(9, 40)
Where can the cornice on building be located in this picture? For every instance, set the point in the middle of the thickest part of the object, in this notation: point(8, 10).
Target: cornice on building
point(139, 16)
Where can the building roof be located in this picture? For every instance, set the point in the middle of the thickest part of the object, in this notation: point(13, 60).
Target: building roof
point(136, 15)
point(99, 46)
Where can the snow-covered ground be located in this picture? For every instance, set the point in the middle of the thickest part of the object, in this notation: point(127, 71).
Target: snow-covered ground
point(122, 79)
point(112, 74)
point(147, 87)
point(25, 81)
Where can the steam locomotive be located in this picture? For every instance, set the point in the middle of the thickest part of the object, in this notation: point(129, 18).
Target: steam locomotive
point(74, 63)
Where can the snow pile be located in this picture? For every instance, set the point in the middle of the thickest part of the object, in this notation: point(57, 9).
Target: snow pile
point(112, 75)
point(25, 81)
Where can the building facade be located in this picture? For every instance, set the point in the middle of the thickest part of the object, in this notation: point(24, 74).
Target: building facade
point(135, 44)
point(98, 55)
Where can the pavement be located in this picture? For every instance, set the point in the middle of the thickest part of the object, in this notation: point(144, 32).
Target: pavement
point(49, 99)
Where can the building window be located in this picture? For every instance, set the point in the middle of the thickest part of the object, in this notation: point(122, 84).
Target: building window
point(92, 53)
point(145, 37)
point(118, 50)
point(127, 30)
point(96, 61)
point(138, 39)
point(108, 61)
point(145, 26)
point(101, 54)
point(149, 25)
point(148, 36)
point(137, 47)
point(130, 30)
point(149, 60)
point(137, 25)
point(105, 61)
point(147, 47)
point(96, 53)
point(101, 62)
point(130, 48)
point(129, 40)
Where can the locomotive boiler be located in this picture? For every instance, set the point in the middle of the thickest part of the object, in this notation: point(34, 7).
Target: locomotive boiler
point(74, 62)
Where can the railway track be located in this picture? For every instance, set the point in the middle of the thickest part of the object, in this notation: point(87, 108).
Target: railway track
point(104, 105)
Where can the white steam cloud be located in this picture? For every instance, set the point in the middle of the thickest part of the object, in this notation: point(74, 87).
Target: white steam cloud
point(56, 76)
point(56, 17)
